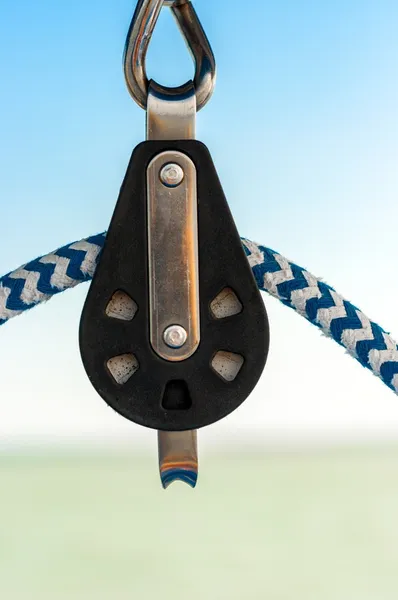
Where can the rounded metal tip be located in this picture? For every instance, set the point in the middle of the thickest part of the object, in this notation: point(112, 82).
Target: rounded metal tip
point(187, 476)
point(178, 457)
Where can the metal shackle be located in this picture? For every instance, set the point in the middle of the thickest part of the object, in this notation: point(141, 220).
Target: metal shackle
point(139, 36)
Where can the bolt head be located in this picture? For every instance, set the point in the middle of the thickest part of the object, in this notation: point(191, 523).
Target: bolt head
point(175, 336)
point(171, 175)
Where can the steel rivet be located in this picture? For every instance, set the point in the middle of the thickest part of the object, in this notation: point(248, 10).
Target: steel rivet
point(175, 336)
point(171, 175)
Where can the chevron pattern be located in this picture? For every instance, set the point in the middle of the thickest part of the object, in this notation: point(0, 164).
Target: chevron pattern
point(367, 342)
point(40, 279)
point(320, 304)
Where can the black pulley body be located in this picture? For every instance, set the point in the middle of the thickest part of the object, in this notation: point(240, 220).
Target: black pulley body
point(192, 339)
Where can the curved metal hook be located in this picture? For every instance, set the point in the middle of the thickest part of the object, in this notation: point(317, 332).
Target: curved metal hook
point(141, 29)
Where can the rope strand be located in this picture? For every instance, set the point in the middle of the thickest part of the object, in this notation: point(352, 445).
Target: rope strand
point(43, 278)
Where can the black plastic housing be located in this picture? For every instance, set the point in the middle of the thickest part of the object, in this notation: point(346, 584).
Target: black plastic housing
point(124, 266)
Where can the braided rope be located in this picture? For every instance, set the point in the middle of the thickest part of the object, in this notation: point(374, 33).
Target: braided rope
point(40, 279)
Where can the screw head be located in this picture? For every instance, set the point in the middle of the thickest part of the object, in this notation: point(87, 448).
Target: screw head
point(171, 175)
point(175, 336)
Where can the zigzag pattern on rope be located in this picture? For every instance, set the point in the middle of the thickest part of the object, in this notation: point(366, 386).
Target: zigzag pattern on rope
point(320, 304)
point(41, 279)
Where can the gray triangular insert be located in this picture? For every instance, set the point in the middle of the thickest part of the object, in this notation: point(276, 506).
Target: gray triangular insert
point(227, 364)
point(226, 304)
point(122, 367)
point(121, 306)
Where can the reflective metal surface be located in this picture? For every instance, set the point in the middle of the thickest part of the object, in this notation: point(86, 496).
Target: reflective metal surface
point(171, 114)
point(178, 457)
point(173, 256)
point(175, 336)
point(171, 175)
point(139, 37)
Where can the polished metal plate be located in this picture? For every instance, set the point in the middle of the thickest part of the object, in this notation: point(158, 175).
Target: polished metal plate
point(173, 256)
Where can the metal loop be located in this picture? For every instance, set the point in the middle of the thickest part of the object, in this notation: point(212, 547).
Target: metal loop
point(139, 37)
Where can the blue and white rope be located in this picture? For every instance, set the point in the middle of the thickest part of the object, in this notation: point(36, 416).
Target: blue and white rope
point(40, 279)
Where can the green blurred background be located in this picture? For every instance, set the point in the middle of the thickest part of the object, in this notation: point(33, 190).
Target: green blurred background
point(261, 525)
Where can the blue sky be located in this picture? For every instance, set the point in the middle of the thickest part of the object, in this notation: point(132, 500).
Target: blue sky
point(303, 129)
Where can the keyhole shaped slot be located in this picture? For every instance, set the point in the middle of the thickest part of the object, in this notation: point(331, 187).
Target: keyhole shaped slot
point(176, 396)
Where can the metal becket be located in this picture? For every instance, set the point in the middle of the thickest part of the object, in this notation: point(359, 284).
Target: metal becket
point(172, 225)
point(173, 258)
